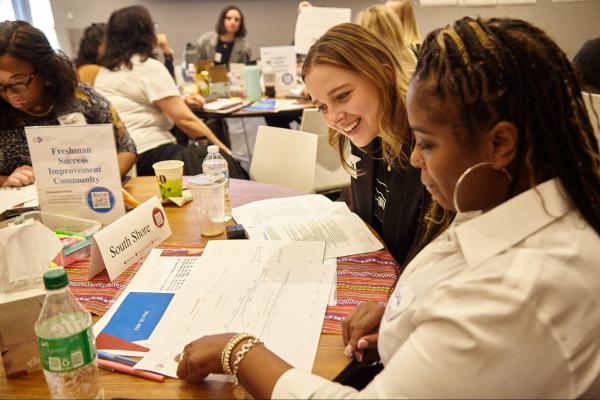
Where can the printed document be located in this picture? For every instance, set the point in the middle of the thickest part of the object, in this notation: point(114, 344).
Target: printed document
point(308, 218)
point(13, 196)
point(248, 288)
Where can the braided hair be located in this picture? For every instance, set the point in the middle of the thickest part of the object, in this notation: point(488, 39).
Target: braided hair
point(488, 70)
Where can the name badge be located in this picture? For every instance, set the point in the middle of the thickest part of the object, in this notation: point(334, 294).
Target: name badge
point(126, 240)
point(353, 161)
point(75, 118)
point(399, 301)
point(218, 57)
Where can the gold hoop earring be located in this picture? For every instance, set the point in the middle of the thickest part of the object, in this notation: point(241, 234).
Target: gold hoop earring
point(481, 190)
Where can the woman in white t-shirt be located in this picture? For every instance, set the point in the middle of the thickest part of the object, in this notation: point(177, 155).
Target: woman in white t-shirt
point(143, 92)
point(504, 303)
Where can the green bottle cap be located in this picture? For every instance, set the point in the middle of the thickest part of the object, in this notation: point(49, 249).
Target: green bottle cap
point(55, 279)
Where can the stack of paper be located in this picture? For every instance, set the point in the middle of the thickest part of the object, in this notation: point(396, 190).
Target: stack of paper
point(249, 286)
point(308, 218)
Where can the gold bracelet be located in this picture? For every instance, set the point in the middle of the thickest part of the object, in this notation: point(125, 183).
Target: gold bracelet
point(226, 354)
point(238, 390)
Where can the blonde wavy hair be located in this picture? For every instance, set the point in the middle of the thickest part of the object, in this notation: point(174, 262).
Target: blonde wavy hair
point(382, 21)
point(355, 48)
point(404, 10)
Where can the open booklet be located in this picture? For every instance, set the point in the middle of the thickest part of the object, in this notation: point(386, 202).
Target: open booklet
point(308, 218)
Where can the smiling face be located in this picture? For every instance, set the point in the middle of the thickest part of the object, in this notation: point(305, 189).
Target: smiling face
point(15, 71)
point(348, 101)
point(437, 153)
point(232, 21)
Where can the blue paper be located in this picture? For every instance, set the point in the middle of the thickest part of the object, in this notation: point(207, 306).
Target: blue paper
point(263, 105)
point(138, 315)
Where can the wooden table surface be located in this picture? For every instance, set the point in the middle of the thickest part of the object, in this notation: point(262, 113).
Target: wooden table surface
point(330, 357)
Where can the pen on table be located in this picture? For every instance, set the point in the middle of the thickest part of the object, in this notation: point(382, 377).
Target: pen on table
point(126, 369)
point(105, 355)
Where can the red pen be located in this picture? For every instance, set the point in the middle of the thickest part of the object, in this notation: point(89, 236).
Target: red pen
point(126, 369)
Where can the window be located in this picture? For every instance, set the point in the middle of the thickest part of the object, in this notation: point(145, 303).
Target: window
point(6, 10)
point(36, 12)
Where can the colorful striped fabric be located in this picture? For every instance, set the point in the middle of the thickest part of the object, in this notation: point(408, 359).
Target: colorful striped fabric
point(360, 278)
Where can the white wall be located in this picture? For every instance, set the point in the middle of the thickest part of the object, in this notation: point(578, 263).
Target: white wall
point(272, 22)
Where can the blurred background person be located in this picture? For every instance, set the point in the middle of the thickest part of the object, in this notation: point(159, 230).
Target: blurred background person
point(38, 87)
point(587, 65)
point(227, 43)
point(404, 11)
point(145, 95)
point(91, 48)
point(382, 21)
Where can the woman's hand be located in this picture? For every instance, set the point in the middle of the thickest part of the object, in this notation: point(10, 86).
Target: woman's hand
point(360, 329)
point(21, 176)
point(202, 357)
point(194, 100)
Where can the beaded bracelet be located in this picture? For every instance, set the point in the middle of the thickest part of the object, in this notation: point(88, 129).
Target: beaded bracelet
point(238, 390)
point(226, 354)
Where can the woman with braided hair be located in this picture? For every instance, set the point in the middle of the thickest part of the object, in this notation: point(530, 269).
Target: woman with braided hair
point(505, 303)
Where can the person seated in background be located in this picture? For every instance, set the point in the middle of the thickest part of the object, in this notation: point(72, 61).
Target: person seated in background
point(38, 87)
point(226, 44)
point(385, 24)
point(587, 65)
point(404, 10)
point(144, 93)
point(92, 47)
point(504, 304)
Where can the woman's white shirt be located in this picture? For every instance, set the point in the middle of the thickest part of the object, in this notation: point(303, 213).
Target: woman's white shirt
point(133, 93)
point(502, 304)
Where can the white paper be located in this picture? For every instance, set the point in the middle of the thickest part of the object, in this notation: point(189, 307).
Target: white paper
point(221, 104)
point(477, 2)
point(313, 22)
point(267, 299)
point(282, 60)
point(76, 171)
point(426, 3)
point(157, 275)
point(10, 196)
point(308, 218)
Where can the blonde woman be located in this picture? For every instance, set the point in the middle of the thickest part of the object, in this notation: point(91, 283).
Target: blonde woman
point(403, 9)
point(382, 21)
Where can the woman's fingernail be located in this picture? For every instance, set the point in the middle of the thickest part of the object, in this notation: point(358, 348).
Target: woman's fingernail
point(362, 344)
point(348, 351)
point(359, 356)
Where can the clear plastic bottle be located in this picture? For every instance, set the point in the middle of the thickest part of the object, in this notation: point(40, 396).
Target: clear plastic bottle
point(214, 163)
point(269, 80)
point(66, 342)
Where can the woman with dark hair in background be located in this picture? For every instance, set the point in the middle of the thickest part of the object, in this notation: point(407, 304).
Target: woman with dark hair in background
point(91, 48)
point(587, 65)
point(226, 44)
point(142, 90)
point(38, 87)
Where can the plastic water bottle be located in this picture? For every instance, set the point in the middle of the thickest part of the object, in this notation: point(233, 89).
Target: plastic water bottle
point(269, 80)
point(66, 342)
point(213, 164)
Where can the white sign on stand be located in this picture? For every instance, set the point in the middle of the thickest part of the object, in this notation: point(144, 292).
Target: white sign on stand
point(126, 240)
point(76, 171)
point(283, 61)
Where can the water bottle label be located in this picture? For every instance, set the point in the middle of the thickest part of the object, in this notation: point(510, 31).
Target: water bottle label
point(68, 353)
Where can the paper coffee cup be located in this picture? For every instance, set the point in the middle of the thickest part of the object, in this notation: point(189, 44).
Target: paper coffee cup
point(169, 175)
